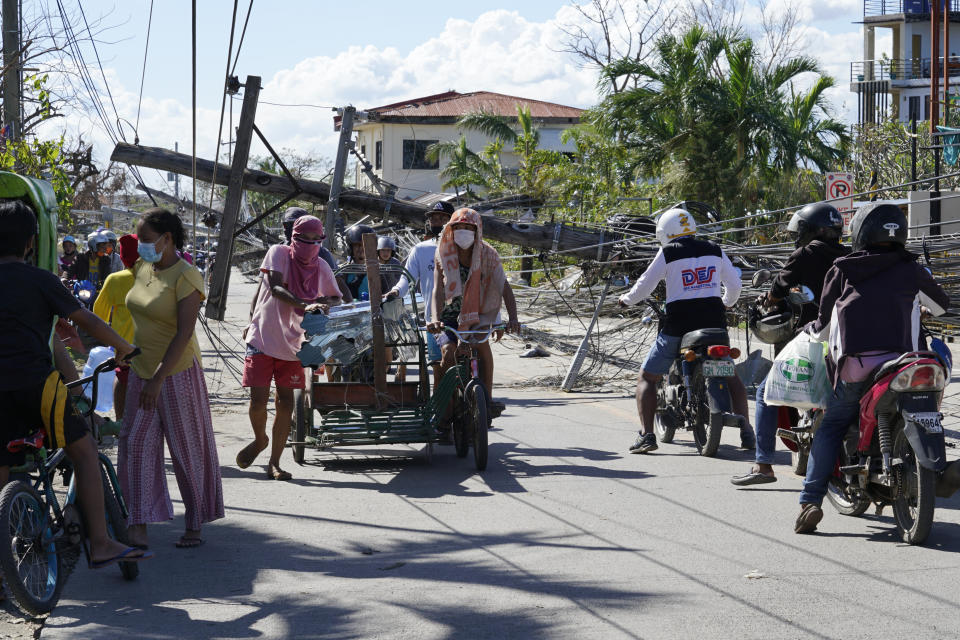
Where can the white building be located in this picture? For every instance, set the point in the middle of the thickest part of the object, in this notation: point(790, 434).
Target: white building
point(395, 137)
point(899, 86)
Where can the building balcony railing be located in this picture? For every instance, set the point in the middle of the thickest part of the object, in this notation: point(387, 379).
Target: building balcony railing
point(899, 69)
point(893, 7)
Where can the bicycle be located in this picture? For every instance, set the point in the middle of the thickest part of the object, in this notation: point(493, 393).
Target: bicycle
point(40, 541)
point(470, 418)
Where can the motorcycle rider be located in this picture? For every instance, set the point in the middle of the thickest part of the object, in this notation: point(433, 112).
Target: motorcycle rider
point(116, 264)
point(693, 269)
point(879, 280)
point(816, 229)
point(94, 265)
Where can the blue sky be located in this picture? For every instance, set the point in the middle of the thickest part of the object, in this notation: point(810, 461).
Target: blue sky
point(370, 53)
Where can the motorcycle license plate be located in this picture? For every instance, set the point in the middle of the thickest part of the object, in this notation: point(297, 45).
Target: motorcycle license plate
point(930, 421)
point(718, 369)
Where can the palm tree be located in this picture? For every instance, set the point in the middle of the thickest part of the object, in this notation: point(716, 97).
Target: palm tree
point(713, 121)
point(525, 141)
point(464, 169)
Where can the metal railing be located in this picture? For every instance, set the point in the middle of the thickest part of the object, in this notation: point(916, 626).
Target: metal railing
point(893, 7)
point(899, 69)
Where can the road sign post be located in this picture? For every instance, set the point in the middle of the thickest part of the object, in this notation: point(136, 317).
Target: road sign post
point(840, 195)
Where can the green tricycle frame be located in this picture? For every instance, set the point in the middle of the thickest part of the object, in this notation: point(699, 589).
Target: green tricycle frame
point(356, 413)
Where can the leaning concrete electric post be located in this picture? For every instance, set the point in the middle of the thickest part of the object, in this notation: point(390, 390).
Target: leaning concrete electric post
point(339, 170)
point(219, 282)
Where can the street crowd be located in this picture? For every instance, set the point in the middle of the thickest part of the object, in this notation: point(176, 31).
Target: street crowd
point(145, 291)
point(148, 294)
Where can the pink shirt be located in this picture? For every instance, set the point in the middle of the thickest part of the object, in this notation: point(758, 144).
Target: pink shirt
point(275, 328)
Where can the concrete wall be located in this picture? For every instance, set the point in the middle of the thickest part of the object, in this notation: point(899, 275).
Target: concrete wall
point(918, 212)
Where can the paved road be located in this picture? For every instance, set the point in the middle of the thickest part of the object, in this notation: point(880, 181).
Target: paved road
point(564, 536)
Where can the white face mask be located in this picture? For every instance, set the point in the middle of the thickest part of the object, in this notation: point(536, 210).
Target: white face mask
point(464, 237)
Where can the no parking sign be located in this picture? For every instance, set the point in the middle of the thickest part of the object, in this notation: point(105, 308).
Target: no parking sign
point(840, 195)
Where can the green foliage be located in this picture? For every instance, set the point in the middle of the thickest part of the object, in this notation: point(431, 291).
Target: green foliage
point(37, 158)
point(715, 123)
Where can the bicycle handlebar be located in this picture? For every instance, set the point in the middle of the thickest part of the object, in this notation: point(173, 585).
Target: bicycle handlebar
point(109, 363)
point(474, 332)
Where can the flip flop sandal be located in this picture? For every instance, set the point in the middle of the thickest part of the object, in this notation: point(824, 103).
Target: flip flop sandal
point(189, 543)
point(754, 477)
point(122, 557)
point(279, 475)
point(244, 459)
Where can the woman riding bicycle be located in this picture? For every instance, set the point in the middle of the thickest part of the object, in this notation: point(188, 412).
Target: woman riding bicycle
point(468, 289)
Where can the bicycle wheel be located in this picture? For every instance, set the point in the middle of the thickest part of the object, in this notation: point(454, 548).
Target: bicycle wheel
point(477, 404)
point(28, 552)
point(302, 421)
point(461, 417)
point(117, 525)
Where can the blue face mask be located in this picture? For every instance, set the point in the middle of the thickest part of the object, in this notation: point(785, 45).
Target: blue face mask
point(148, 252)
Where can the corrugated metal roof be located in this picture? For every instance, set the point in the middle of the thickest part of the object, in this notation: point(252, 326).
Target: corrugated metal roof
point(453, 105)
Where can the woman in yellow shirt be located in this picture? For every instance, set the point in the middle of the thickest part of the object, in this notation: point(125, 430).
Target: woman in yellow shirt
point(111, 306)
point(167, 394)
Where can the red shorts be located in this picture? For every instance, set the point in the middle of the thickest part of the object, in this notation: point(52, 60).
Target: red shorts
point(259, 369)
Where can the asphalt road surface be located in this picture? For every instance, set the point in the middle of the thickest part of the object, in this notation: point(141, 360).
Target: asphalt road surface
point(565, 535)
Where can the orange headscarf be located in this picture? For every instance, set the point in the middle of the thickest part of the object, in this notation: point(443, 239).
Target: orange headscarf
point(483, 290)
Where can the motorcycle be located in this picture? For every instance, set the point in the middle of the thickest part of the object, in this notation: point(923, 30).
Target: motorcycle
point(896, 454)
point(694, 394)
point(794, 428)
point(85, 292)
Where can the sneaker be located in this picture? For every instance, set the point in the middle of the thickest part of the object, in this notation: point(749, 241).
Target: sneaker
point(810, 516)
point(645, 443)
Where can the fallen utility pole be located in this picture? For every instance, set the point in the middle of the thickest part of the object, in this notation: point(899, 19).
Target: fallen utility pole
point(217, 298)
point(547, 238)
point(339, 170)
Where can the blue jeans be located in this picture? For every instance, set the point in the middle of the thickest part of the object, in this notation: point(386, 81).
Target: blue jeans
point(765, 422)
point(842, 411)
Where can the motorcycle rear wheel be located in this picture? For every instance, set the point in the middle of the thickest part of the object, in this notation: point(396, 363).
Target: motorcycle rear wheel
point(914, 505)
point(707, 428)
point(664, 420)
point(847, 500)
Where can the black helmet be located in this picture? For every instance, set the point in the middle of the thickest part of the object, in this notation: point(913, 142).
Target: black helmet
point(355, 233)
point(878, 223)
point(774, 328)
point(817, 221)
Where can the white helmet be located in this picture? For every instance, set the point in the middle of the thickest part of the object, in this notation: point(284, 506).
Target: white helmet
point(675, 223)
point(108, 234)
point(95, 238)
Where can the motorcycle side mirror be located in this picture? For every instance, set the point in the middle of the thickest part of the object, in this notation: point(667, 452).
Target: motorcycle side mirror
point(801, 297)
point(762, 277)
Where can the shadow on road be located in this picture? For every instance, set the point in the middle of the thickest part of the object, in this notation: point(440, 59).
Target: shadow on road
point(243, 584)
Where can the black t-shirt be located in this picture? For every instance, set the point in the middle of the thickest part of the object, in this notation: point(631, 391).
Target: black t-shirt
point(29, 300)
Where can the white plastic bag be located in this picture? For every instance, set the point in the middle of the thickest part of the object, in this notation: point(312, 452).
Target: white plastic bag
point(798, 377)
point(104, 399)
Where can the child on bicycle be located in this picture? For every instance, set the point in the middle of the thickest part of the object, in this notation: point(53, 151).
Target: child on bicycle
point(31, 391)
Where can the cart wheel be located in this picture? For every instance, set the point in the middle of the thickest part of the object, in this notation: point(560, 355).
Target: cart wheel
point(302, 421)
point(476, 403)
point(461, 418)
